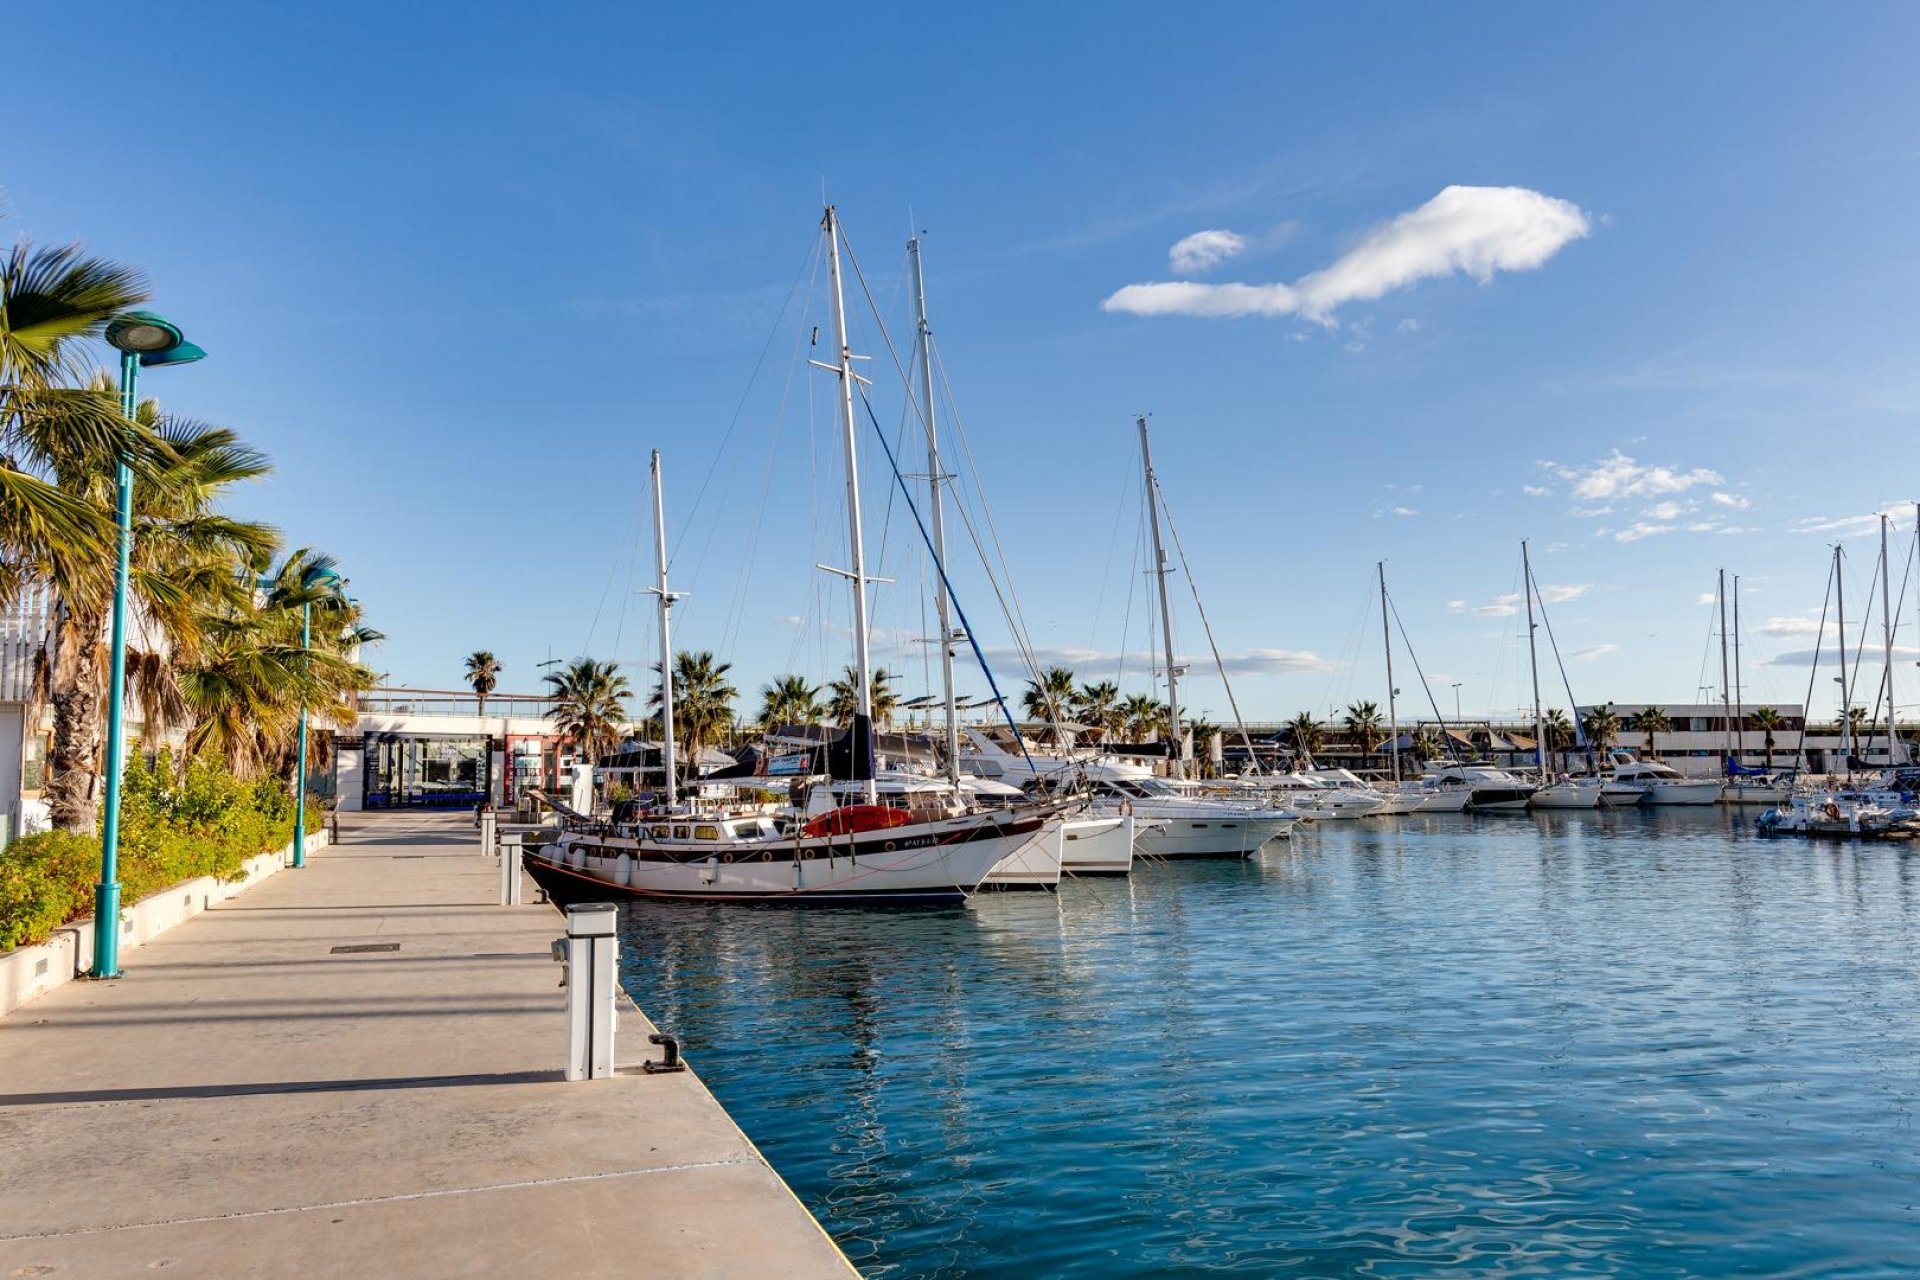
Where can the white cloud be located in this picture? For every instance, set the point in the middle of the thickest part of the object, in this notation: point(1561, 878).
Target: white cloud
point(1804, 657)
point(1563, 592)
point(1398, 511)
point(1536, 491)
point(1204, 250)
point(1507, 605)
point(1594, 651)
point(1731, 500)
point(1619, 476)
point(1664, 511)
point(1788, 627)
point(1706, 597)
point(1089, 662)
point(1409, 325)
point(1850, 526)
point(1640, 529)
point(1472, 230)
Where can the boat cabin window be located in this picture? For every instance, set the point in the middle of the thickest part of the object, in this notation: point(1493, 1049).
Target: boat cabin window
point(679, 833)
point(706, 833)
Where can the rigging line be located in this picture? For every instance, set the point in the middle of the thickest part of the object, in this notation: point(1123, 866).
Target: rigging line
point(1860, 650)
point(1883, 692)
point(736, 613)
point(810, 262)
point(1446, 736)
point(1205, 625)
point(972, 641)
point(1813, 670)
point(1015, 619)
point(1573, 707)
point(613, 571)
point(1106, 573)
point(1138, 557)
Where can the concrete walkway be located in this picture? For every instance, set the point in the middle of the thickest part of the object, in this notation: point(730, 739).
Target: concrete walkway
point(247, 1102)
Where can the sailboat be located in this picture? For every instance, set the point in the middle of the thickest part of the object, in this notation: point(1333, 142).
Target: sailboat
point(928, 848)
point(1744, 785)
point(1553, 793)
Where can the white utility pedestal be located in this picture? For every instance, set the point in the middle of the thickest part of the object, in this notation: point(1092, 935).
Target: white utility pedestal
point(510, 889)
point(593, 968)
point(489, 826)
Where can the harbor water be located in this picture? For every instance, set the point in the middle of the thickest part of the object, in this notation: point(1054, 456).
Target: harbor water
point(1601, 1043)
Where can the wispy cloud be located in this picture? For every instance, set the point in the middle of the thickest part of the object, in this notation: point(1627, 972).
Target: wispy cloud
point(1789, 627)
point(1852, 526)
point(1591, 652)
point(1732, 501)
point(1246, 662)
point(1536, 491)
point(1476, 231)
point(1507, 605)
point(1204, 250)
point(1804, 657)
point(1641, 529)
point(1618, 476)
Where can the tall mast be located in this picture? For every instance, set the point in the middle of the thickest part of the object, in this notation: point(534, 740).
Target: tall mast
point(857, 572)
point(1726, 685)
point(1846, 694)
point(1393, 713)
point(1739, 703)
point(1533, 663)
point(666, 633)
point(936, 481)
point(1161, 569)
point(1886, 634)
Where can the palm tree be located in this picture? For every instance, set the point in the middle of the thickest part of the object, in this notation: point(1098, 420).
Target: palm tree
point(1650, 720)
point(1142, 716)
point(1050, 696)
point(1306, 734)
point(1098, 705)
point(589, 707)
point(1603, 728)
point(702, 699)
point(1363, 725)
point(1766, 720)
point(1427, 746)
point(1560, 736)
point(1204, 732)
point(789, 700)
point(183, 569)
point(843, 701)
point(483, 673)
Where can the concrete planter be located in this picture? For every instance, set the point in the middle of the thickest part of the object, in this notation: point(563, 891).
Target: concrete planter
point(29, 972)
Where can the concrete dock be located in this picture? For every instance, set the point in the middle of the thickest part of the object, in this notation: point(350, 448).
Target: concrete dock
point(248, 1101)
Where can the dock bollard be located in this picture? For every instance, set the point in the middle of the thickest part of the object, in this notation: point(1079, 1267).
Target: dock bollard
point(489, 827)
point(591, 954)
point(510, 846)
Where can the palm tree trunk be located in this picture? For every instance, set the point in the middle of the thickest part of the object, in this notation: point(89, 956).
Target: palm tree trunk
point(76, 695)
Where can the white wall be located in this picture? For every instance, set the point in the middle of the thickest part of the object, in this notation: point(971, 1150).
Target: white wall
point(349, 773)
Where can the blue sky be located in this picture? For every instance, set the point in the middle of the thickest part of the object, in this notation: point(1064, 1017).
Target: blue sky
point(461, 267)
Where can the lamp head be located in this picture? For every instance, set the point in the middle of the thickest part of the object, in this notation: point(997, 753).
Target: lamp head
point(319, 577)
point(153, 338)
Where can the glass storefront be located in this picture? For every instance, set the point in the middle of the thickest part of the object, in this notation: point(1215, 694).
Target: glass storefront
point(411, 771)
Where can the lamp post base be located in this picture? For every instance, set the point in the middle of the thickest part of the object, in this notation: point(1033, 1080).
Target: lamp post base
point(106, 930)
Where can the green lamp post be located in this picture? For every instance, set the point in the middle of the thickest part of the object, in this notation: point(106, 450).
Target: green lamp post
point(144, 340)
point(310, 581)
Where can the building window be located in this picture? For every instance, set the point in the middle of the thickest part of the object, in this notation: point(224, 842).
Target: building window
point(33, 763)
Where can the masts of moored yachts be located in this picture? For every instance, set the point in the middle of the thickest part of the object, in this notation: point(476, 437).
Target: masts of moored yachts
point(1160, 571)
point(857, 571)
point(1846, 689)
point(1393, 711)
point(936, 481)
point(1739, 703)
point(1727, 684)
point(1886, 634)
point(666, 633)
point(1533, 664)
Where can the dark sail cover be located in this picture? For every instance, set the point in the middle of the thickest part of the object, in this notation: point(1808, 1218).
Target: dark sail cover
point(850, 756)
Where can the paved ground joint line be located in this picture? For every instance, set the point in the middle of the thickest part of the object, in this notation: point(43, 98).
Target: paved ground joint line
point(442, 1193)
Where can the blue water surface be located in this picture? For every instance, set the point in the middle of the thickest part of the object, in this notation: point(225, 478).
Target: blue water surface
point(1607, 1043)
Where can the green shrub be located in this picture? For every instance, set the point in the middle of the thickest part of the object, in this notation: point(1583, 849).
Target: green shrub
point(175, 825)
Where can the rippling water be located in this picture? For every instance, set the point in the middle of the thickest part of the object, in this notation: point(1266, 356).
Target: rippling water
point(1641, 1044)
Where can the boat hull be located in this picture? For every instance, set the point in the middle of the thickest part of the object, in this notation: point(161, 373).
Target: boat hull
point(1565, 797)
point(1690, 793)
point(1453, 801)
point(1034, 865)
point(1098, 846)
point(936, 862)
point(1235, 837)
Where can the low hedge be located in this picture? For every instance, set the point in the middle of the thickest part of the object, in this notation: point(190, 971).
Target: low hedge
point(175, 825)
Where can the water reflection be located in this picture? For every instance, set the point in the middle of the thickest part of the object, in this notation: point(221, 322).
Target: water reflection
point(1615, 1042)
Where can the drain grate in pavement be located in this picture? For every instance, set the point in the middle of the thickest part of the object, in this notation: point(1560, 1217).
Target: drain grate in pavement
point(359, 947)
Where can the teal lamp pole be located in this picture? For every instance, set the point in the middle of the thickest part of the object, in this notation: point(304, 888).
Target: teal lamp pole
point(315, 578)
point(143, 340)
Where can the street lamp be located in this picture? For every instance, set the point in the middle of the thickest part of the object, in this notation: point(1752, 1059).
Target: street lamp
point(1456, 702)
point(309, 582)
point(143, 339)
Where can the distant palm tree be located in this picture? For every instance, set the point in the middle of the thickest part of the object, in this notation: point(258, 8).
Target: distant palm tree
point(1603, 728)
point(1560, 736)
point(1050, 697)
point(589, 707)
point(1427, 746)
point(1142, 716)
point(1204, 732)
point(1306, 734)
point(702, 699)
point(1364, 726)
point(1650, 721)
point(483, 673)
point(789, 700)
point(1766, 720)
point(1098, 705)
point(843, 701)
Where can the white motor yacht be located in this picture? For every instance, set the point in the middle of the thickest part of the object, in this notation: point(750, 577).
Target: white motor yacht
point(1664, 784)
point(1188, 826)
point(1490, 788)
point(1568, 793)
